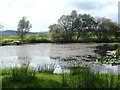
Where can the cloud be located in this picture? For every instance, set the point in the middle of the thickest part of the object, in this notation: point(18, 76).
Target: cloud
point(89, 5)
point(42, 13)
point(100, 8)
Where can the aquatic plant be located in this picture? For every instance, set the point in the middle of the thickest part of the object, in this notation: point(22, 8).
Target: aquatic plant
point(114, 60)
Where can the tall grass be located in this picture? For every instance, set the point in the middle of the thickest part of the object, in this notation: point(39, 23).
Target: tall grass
point(22, 74)
point(79, 77)
point(84, 78)
point(17, 74)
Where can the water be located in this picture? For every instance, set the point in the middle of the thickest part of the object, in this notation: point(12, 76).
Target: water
point(19, 55)
point(40, 54)
point(106, 69)
point(48, 55)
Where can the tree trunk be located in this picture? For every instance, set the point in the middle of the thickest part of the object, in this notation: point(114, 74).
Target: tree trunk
point(78, 36)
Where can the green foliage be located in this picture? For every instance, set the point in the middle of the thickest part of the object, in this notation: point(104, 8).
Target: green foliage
point(114, 60)
point(84, 78)
point(43, 36)
point(23, 28)
point(79, 77)
point(118, 52)
point(39, 38)
point(22, 74)
point(71, 28)
point(83, 26)
point(7, 40)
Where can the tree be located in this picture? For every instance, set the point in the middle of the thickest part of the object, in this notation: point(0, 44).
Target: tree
point(106, 28)
point(85, 24)
point(64, 23)
point(56, 32)
point(75, 26)
point(113, 29)
point(23, 28)
point(68, 25)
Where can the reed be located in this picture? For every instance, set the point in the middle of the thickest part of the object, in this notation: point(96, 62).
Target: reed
point(79, 77)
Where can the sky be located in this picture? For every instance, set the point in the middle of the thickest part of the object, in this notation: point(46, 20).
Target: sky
point(43, 13)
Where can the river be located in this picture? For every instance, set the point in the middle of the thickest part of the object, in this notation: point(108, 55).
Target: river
point(52, 55)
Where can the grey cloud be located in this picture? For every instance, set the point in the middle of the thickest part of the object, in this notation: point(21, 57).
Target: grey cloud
point(89, 5)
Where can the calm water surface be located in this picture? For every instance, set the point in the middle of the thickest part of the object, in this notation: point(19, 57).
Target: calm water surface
point(39, 55)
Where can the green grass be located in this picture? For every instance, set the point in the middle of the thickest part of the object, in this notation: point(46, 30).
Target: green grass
point(7, 40)
point(24, 77)
point(43, 38)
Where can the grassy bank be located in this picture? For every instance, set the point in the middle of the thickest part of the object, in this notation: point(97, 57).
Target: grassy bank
point(25, 77)
point(7, 40)
point(47, 38)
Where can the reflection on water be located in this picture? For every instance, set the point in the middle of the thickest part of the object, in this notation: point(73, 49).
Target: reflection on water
point(95, 69)
point(46, 55)
point(19, 55)
point(39, 54)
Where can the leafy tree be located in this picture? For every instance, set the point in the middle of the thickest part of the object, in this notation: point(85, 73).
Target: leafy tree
point(68, 25)
point(64, 23)
point(106, 28)
point(75, 26)
point(56, 32)
point(23, 28)
point(85, 24)
point(113, 29)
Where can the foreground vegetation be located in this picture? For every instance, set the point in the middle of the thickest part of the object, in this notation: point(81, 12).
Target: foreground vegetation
point(25, 77)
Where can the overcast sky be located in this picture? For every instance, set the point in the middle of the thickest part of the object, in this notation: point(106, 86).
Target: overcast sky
point(42, 13)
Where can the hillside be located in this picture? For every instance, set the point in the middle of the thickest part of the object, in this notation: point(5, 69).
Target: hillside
point(13, 33)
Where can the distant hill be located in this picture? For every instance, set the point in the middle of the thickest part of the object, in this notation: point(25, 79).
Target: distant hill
point(9, 33)
point(13, 33)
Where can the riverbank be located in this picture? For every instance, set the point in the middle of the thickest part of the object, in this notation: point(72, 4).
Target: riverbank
point(46, 38)
point(24, 77)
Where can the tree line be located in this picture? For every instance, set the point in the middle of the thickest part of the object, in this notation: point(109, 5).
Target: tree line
point(74, 27)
